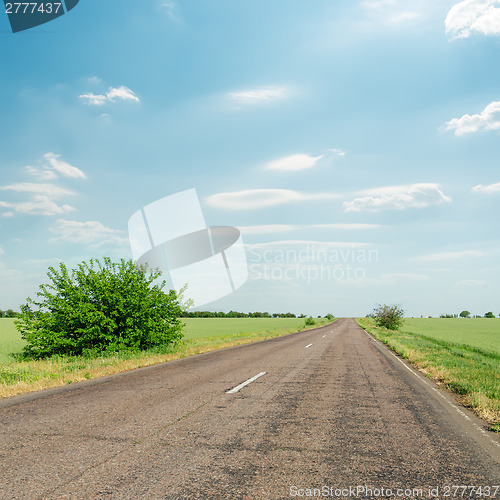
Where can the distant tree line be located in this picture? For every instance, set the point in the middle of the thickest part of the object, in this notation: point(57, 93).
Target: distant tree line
point(236, 314)
point(9, 313)
point(467, 314)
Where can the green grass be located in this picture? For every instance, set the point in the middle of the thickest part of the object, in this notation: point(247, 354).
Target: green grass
point(201, 335)
point(197, 328)
point(461, 354)
point(10, 340)
point(477, 332)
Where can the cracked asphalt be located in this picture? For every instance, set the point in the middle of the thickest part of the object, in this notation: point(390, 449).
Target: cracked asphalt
point(343, 412)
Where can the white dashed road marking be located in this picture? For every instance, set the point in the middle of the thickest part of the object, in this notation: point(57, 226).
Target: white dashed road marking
point(243, 384)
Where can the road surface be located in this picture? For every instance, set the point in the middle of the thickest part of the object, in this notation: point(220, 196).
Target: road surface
point(330, 411)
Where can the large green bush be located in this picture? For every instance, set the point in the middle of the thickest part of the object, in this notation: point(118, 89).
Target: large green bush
point(99, 306)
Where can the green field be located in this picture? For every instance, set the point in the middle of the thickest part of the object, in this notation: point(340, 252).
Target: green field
point(461, 354)
point(201, 335)
point(483, 333)
point(10, 340)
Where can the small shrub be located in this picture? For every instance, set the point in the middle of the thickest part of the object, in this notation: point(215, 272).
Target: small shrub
point(390, 317)
point(99, 307)
point(309, 321)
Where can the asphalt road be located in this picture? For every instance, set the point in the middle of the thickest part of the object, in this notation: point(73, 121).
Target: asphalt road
point(332, 409)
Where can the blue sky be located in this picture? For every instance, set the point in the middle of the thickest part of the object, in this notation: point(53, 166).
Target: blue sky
point(354, 143)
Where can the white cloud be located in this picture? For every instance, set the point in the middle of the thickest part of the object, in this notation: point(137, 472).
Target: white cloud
point(42, 195)
point(488, 119)
point(38, 205)
point(492, 188)
point(259, 95)
point(317, 245)
point(337, 152)
point(473, 16)
point(123, 93)
point(347, 227)
point(450, 255)
point(267, 229)
point(260, 198)
point(85, 232)
point(397, 198)
point(52, 167)
point(38, 188)
point(293, 163)
point(64, 168)
point(43, 174)
point(282, 228)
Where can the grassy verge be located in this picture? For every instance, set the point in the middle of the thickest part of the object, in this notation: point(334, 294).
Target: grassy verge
point(472, 373)
point(201, 335)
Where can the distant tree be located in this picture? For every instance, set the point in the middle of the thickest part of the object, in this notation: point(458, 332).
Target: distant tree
point(390, 317)
point(489, 315)
point(465, 314)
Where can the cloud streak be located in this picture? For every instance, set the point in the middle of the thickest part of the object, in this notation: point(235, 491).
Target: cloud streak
point(397, 198)
point(254, 199)
point(492, 188)
point(38, 205)
point(86, 233)
point(260, 95)
point(293, 163)
point(434, 257)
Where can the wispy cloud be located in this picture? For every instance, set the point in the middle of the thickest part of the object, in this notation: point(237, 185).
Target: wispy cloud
point(38, 205)
point(492, 188)
point(267, 229)
point(394, 277)
point(38, 188)
point(397, 198)
point(172, 10)
point(259, 95)
point(85, 233)
point(488, 119)
point(122, 93)
point(62, 167)
point(450, 255)
point(252, 199)
point(318, 245)
point(283, 228)
point(473, 17)
point(293, 163)
point(42, 196)
point(52, 166)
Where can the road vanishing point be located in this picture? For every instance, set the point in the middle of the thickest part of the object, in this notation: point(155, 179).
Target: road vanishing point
point(328, 411)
